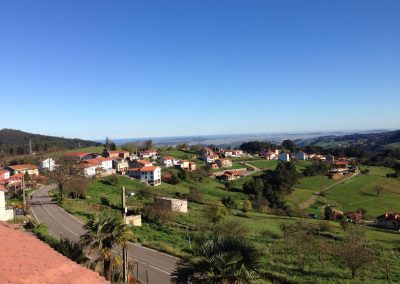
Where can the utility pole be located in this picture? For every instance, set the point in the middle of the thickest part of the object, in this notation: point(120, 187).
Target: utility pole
point(124, 248)
point(30, 147)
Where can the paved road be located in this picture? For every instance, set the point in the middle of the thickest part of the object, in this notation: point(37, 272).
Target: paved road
point(60, 223)
point(311, 200)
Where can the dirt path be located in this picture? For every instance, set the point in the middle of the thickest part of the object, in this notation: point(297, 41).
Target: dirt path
point(311, 200)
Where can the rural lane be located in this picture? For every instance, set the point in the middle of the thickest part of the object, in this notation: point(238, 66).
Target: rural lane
point(154, 267)
point(311, 200)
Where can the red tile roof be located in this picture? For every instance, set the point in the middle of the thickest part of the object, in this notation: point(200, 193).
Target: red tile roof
point(75, 154)
point(144, 162)
point(25, 259)
point(148, 169)
point(24, 167)
point(3, 172)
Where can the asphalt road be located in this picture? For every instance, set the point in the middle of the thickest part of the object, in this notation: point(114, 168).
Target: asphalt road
point(154, 267)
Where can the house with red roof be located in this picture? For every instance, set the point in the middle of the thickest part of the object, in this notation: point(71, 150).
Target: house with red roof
point(4, 174)
point(389, 220)
point(140, 164)
point(76, 156)
point(147, 154)
point(32, 170)
point(148, 174)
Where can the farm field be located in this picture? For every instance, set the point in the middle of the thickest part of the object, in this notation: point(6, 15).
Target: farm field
point(360, 192)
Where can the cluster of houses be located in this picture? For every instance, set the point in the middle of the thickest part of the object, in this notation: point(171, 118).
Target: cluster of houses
point(277, 154)
point(219, 159)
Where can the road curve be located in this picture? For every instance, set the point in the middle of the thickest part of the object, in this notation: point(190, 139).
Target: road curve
point(154, 267)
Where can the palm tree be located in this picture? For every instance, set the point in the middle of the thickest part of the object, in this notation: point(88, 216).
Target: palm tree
point(221, 259)
point(103, 232)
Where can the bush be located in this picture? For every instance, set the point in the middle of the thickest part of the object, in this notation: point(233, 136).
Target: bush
point(195, 195)
point(228, 202)
point(104, 201)
point(325, 226)
point(111, 180)
point(156, 214)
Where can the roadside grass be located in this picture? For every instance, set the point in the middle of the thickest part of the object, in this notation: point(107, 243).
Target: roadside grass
point(314, 183)
point(299, 195)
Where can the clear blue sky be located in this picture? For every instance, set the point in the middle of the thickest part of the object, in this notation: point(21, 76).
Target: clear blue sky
point(163, 68)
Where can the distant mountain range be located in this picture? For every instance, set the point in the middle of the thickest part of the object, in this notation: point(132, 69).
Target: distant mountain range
point(14, 142)
point(234, 140)
point(369, 141)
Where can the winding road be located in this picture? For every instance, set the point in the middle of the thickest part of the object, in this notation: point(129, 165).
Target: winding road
point(153, 267)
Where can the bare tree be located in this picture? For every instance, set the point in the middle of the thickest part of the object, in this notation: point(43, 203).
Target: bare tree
point(61, 176)
point(77, 186)
point(353, 251)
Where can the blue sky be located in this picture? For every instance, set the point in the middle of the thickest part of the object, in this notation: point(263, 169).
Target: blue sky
point(164, 68)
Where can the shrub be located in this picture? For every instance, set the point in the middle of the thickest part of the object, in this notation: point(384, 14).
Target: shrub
point(325, 226)
point(195, 195)
point(104, 201)
point(228, 202)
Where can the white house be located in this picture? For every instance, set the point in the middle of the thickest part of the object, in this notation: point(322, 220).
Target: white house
point(150, 174)
point(148, 154)
point(106, 163)
point(5, 214)
point(284, 157)
point(87, 169)
point(4, 174)
point(169, 161)
point(209, 158)
point(271, 155)
point(301, 156)
point(47, 165)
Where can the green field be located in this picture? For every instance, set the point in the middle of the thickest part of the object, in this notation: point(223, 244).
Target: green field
point(262, 228)
point(264, 164)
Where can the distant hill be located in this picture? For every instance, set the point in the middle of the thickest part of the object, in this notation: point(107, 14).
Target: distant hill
point(16, 142)
point(369, 141)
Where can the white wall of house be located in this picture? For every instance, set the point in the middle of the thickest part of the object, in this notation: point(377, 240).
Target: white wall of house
point(107, 165)
point(5, 214)
point(5, 175)
point(284, 157)
point(89, 171)
point(301, 156)
point(48, 164)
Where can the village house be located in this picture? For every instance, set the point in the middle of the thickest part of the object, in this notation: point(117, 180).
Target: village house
point(5, 214)
point(284, 157)
point(341, 163)
point(231, 175)
point(214, 166)
point(147, 154)
point(140, 164)
point(106, 163)
point(206, 151)
point(32, 170)
point(115, 154)
point(183, 164)
point(120, 165)
point(224, 163)
point(169, 161)
point(47, 165)
point(149, 174)
point(237, 153)
point(301, 156)
point(87, 169)
point(389, 220)
point(270, 155)
point(4, 174)
point(171, 204)
point(76, 156)
point(209, 158)
point(330, 158)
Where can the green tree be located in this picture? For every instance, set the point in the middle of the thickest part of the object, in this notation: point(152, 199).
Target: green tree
point(246, 206)
point(289, 145)
point(221, 259)
point(61, 176)
point(215, 213)
point(27, 177)
point(113, 147)
point(103, 232)
point(328, 213)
